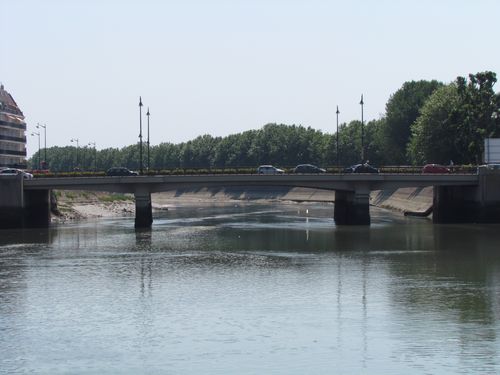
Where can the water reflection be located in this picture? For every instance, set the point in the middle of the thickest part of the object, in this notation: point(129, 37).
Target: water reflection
point(26, 236)
point(252, 288)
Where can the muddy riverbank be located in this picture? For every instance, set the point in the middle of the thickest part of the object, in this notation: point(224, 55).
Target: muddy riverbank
point(80, 205)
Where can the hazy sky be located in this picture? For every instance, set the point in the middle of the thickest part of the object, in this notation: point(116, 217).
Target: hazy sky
point(226, 66)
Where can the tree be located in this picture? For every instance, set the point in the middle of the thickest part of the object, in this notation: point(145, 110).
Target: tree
point(165, 155)
point(199, 152)
point(350, 143)
point(402, 109)
point(477, 112)
point(455, 120)
point(108, 158)
point(435, 134)
point(374, 148)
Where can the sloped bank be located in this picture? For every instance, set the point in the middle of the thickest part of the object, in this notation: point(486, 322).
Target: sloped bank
point(410, 201)
point(76, 205)
point(81, 205)
point(254, 194)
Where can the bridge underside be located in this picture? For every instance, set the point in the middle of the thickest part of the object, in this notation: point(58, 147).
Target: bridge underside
point(143, 210)
point(456, 198)
point(466, 204)
point(352, 208)
point(20, 208)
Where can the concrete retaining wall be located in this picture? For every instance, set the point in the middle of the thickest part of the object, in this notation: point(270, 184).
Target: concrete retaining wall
point(402, 200)
point(418, 200)
point(250, 193)
point(11, 202)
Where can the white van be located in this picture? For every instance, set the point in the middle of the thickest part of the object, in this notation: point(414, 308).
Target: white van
point(269, 169)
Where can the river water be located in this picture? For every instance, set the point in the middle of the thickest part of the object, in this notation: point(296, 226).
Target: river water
point(251, 289)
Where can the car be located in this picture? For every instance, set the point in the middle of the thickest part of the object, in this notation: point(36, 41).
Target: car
point(360, 168)
point(121, 171)
point(490, 166)
point(269, 169)
point(308, 168)
point(15, 172)
point(435, 168)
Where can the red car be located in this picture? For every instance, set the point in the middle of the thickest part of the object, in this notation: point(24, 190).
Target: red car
point(435, 168)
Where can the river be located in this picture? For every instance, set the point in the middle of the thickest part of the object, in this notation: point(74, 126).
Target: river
point(251, 289)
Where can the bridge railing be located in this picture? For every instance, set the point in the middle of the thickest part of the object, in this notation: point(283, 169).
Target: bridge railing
point(395, 169)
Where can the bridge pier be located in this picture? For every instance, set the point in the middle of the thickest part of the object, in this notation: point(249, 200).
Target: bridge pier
point(469, 204)
point(11, 202)
point(352, 207)
point(454, 204)
point(22, 209)
point(143, 209)
point(37, 208)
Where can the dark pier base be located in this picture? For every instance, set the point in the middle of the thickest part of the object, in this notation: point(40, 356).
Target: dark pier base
point(351, 208)
point(22, 209)
point(37, 209)
point(143, 210)
point(11, 202)
point(462, 204)
point(11, 217)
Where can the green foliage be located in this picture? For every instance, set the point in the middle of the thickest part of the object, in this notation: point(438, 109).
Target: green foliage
point(273, 144)
point(68, 174)
point(402, 110)
point(424, 121)
point(70, 195)
point(374, 150)
point(115, 198)
point(433, 134)
point(455, 121)
point(477, 113)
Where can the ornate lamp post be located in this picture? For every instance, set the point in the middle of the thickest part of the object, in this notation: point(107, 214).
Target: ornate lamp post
point(38, 134)
point(140, 135)
point(38, 126)
point(337, 136)
point(147, 114)
point(362, 131)
point(76, 140)
point(95, 155)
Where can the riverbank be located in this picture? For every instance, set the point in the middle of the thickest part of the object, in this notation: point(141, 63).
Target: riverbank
point(413, 201)
point(80, 205)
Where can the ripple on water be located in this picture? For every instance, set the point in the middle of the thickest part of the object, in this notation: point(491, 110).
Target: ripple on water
point(264, 291)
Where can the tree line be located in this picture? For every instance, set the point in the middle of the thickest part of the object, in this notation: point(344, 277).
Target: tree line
point(424, 122)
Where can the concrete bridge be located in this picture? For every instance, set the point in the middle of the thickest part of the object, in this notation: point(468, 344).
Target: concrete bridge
point(457, 197)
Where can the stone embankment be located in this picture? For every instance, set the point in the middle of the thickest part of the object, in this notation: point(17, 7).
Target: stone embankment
point(254, 194)
point(417, 201)
point(74, 205)
point(410, 201)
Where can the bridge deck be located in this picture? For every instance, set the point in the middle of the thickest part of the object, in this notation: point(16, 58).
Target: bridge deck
point(131, 184)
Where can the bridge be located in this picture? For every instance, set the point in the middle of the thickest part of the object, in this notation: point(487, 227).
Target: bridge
point(462, 197)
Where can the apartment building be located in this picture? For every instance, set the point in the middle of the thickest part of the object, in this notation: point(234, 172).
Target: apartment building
point(12, 132)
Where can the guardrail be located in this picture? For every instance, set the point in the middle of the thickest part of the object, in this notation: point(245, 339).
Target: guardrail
point(404, 169)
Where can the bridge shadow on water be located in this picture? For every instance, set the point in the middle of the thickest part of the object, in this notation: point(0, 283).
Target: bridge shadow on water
point(276, 227)
point(236, 192)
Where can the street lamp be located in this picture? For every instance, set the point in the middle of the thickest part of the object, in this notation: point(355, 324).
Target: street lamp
point(140, 135)
point(337, 136)
point(147, 114)
point(37, 133)
point(38, 126)
point(76, 140)
point(95, 155)
point(362, 131)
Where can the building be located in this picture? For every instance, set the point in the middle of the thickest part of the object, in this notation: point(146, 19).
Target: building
point(12, 133)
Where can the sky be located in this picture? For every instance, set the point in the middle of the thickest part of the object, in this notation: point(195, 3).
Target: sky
point(221, 67)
